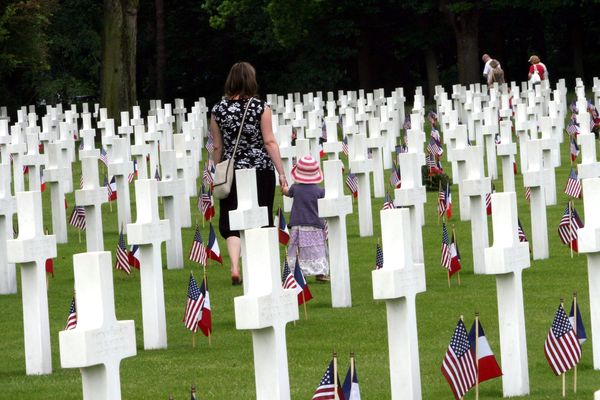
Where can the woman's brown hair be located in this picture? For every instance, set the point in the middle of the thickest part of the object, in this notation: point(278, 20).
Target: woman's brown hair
point(241, 81)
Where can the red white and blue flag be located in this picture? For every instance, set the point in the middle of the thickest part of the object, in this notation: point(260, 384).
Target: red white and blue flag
point(577, 322)
point(388, 204)
point(72, 318)
point(212, 248)
point(326, 389)
point(488, 367)
point(562, 348)
point(455, 265)
point(521, 232)
point(134, 256)
point(395, 177)
point(350, 387)
point(287, 278)
point(282, 229)
point(205, 317)
point(569, 224)
point(112, 189)
point(458, 366)
point(304, 294)
point(352, 183)
point(122, 262)
point(573, 186)
point(198, 251)
point(193, 307)
point(446, 259)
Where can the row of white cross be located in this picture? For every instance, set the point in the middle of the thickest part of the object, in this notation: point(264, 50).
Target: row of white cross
point(266, 308)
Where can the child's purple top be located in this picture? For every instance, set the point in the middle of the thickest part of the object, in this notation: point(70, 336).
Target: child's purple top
point(304, 209)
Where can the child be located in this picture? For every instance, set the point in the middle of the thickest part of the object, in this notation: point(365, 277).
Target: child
point(307, 235)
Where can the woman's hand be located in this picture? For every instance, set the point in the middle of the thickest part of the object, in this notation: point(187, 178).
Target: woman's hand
point(283, 184)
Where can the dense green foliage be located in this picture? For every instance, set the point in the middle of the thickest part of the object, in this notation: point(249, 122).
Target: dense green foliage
point(50, 50)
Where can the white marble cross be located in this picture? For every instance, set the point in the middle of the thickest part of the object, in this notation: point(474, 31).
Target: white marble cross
point(476, 186)
point(398, 283)
point(99, 342)
point(362, 166)
point(313, 133)
point(5, 140)
point(588, 242)
point(459, 155)
point(247, 215)
point(125, 130)
point(55, 175)
point(287, 152)
point(8, 206)
point(412, 195)
point(506, 259)
point(91, 196)
point(120, 166)
point(139, 151)
point(489, 131)
point(184, 161)
point(506, 150)
point(17, 149)
point(179, 112)
point(375, 143)
point(589, 167)
point(152, 136)
point(31, 249)
point(334, 207)
point(265, 309)
point(34, 161)
point(534, 179)
point(332, 146)
point(521, 127)
point(148, 232)
point(172, 189)
point(88, 134)
point(549, 145)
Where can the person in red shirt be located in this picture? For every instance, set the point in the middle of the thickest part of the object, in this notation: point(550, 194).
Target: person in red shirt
point(536, 65)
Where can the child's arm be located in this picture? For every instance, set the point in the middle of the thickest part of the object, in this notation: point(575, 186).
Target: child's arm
point(287, 190)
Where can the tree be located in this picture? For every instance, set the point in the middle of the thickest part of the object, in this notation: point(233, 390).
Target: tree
point(119, 40)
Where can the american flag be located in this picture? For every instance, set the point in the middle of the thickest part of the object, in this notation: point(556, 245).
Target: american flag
point(521, 232)
point(345, 145)
point(326, 389)
point(488, 202)
point(205, 204)
point(78, 218)
point(287, 278)
point(441, 202)
point(103, 157)
point(207, 176)
point(198, 252)
point(572, 128)
point(133, 174)
point(81, 181)
point(122, 262)
point(446, 257)
point(378, 257)
point(193, 307)
point(435, 135)
point(562, 348)
point(72, 318)
point(388, 204)
point(458, 365)
point(157, 174)
point(569, 224)
point(395, 176)
point(352, 182)
point(527, 193)
point(573, 187)
point(574, 147)
point(497, 139)
point(434, 147)
point(209, 143)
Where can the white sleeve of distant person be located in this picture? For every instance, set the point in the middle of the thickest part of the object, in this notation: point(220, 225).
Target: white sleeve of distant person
point(487, 68)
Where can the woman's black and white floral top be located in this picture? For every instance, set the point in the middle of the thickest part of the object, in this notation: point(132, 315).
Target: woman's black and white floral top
point(251, 151)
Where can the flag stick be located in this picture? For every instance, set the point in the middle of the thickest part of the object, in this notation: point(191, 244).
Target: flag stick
point(448, 278)
point(575, 330)
point(458, 276)
point(194, 339)
point(110, 203)
point(351, 367)
point(476, 358)
point(335, 381)
point(304, 304)
point(439, 190)
point(206, 287)
point(564, 394)
point(79, 234)
point(570, 219)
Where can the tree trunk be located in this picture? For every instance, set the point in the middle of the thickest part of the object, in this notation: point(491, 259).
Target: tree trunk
point(433, 76)
point(466, 31)
point(160, 49)
point(363, 62)
point(119, 40)
point(577, 45)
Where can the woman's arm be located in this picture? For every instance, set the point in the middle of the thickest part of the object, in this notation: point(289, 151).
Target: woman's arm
point(217, 140)
point(271, 145)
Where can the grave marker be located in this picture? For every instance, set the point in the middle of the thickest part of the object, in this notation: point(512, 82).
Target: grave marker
point(533, 178)
point(8, 275)
point(91, 196)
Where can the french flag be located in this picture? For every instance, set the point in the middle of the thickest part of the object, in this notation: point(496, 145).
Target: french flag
point(488, 366)
point(205, 318)
point(134, 256)
point(212, 248)
point(113, 189)
point(42, 181)
point(284, 234)
point(304, 294)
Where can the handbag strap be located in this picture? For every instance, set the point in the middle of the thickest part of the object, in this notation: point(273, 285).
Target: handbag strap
point(237, 140)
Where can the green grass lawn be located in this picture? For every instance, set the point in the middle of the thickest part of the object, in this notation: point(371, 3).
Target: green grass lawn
point(225, 369)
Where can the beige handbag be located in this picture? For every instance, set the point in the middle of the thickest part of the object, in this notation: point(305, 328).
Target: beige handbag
point(224, 169)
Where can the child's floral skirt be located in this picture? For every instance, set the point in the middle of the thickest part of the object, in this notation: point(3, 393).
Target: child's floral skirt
point(310, 244)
